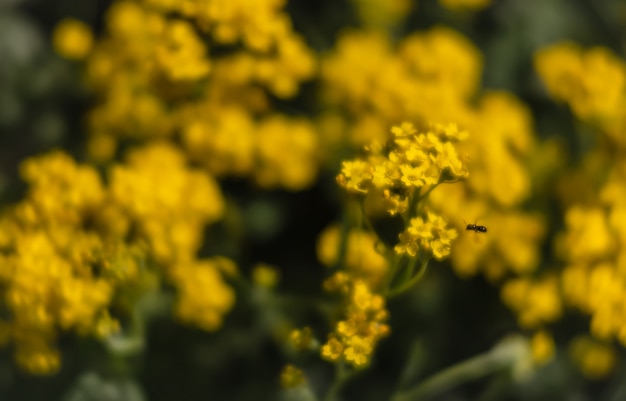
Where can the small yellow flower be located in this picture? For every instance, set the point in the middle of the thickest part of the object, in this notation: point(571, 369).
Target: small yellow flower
point(407, 245)
point(595, 359)
point(265, 275)
point(291, 377)
point(406, 129)
point(355, 176)
point(418, 228)
point(358, 351)
point(203, 296)
point(302, 339)
point(440, 249)
point(72, 39)
point(542, 346)
point(412, 176)
point(332, 350)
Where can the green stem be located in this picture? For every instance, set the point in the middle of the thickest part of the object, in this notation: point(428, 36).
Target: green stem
point(504, 355)
point(409, 283)
point(424, 196)
point(365, 221)
point(342, 374)
point(393, 269)
point(343, 240)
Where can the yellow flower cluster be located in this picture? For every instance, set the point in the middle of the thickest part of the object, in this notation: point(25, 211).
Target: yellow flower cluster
point(542, 347)
point(355, 338)
point(410, 161)
point(591, 244)
point(203, 298)
point(434, 76)
point(592, 82)
point(537, 303)
point(75, 248)
point(54, 274)
point(595, 359)
point(155, 77)
point(292, 377)
point(168, 202)
point(72, 39)
point(428, 77)
point(498, 185)
point(302, 339)
point(593, 279)
point(430, 235)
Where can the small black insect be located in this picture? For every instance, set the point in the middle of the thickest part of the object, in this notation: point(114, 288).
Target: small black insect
point(474, 227)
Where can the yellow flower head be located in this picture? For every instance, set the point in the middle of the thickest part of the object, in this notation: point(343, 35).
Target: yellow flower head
point(355, 337)
point(410, 161)
point(432, 235)
point(203, 296)
point(291, 377)
point(358, 351)
point(72, 39)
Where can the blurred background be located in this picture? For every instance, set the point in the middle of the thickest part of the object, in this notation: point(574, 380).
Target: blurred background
point(548, 179)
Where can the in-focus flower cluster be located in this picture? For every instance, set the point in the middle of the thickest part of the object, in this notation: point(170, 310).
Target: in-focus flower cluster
point(410, 161)
point(431, 235)
point(363, 325)
point(434, 76)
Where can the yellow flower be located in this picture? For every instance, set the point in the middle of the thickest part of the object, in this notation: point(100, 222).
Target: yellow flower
point(181, 53)
point(412, 176)
point(355, 176)
point(421, 229)
point(265, 275)
point(355, 337)
point(38, 358)
point(595, 359)
point(409, 161)
point(170, 202)
point(591, 81)
point(72, 39)
point(407, 245)
point(291, 377)
point(358, 351)
point(203, 296)
point(286, 151)
point(432, 235)
point(587, 236)
point(542, 347)
point(536, 303)
point(302, 339)
point(332, 350)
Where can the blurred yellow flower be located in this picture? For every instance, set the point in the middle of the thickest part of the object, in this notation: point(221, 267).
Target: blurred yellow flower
point(595, 359)
point(542, 347)
point(72, 39)
point(203, 296)
point(292, 377)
